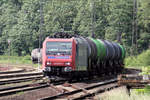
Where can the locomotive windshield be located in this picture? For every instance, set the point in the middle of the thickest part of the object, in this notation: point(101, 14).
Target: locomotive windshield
point(58, 48)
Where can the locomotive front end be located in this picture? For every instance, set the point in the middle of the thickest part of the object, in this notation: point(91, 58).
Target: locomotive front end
point(58, 56)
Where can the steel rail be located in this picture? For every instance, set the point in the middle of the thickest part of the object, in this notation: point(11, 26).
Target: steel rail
point(19, 74)
point(20, 79)
point(20, 86)
point(13, 71)
point(23, 88)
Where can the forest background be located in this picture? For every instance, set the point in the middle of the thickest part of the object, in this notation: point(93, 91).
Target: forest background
point(24, 24)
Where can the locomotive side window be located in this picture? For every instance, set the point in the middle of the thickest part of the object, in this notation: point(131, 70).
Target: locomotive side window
point(58, 48)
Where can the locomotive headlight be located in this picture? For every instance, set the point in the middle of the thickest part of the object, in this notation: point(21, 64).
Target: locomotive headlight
point(68, 63)
point(49, 63)
point(48, 69)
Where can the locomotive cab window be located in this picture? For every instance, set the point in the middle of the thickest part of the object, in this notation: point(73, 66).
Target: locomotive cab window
point(58, 48)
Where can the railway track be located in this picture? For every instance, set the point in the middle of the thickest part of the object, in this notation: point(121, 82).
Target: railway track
point(17, 76)
point(7, 91)
point(24, 81)
point(2, 76)
point(12, 82)
point(76, 92)
point(21, 88)
point(20, 79)
point(79, 93)
point(69, 91)
point(13, 71)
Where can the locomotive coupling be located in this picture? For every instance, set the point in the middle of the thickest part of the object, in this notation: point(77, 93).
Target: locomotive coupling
point(67, 69)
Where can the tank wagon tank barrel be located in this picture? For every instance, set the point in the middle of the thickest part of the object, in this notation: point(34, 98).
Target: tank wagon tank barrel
point(103, 49)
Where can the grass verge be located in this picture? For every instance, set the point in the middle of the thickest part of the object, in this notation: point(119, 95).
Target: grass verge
point(121, 94)
point(139, 61)
point(17, 60)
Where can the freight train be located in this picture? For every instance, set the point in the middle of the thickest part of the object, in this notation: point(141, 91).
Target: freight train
point(80, 56)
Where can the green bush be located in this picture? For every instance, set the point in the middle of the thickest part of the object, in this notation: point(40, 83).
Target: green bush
point(145, 90)
point(145, 71)
point(142, 59)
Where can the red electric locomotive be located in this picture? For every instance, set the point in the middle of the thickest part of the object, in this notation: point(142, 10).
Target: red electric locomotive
point(58, 56)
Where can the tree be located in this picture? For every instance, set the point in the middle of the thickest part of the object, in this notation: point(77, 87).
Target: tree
point(8, 13)
point(120, 22)
point(60, 15)
point(143, 24)
point(28, 22)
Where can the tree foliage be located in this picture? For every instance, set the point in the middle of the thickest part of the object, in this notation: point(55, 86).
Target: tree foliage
point(26, 22)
